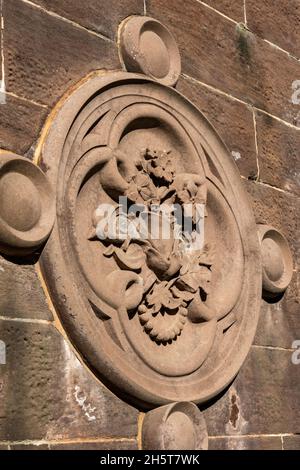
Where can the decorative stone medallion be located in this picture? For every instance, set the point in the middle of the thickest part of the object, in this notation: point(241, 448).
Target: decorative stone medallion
point(157, 319)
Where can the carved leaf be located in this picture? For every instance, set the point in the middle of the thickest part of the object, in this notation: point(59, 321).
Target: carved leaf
point(162, 296)
point(133, 258)
point(197, 276)
point(159, 164)
point(141, 188)
point(206, 257)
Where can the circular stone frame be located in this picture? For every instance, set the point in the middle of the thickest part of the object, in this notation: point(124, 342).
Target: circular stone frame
point(84, 318)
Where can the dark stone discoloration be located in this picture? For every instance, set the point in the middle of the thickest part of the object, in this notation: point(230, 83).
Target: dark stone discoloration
point(267, 388)
point(244, 43)
point(234, 411)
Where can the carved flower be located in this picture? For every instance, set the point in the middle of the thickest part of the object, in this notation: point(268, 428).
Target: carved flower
point(191, 192)
point(160, 164)
point(175, 275)
point(190, 188)
point(195, 272)
point(164, 312)
point(163, 328)
point(162, 296)
point(142, 189)
point(197, 277)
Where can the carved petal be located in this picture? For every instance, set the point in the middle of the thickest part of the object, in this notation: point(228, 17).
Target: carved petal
point(198, 311)
point(129, 292)
point(206, 257)
point(187, 185)
point(188, 282)
point(111, 178)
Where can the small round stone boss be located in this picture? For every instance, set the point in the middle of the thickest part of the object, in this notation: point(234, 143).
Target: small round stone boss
point(277, 261)
point(177, 426)
point(26, 205)
point(148, 47)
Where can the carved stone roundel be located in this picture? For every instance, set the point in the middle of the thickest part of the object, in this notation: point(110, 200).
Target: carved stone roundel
point(154, 322)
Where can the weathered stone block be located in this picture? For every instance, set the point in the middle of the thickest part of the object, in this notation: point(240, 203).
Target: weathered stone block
point(29, 447)
point(100, 16)
point(3, 447)
point(234, 10)
point(1, 68)
point(48, 394)
point(278, 150)
point(276, 21)
point(45, 55)
point(229, 57)
point(264, 398)
point(20, 123)
point(245, 443)
point(107, 445)
point(279, 322)
point(280, 209)
point(291, 442)
point(21, 294)
point(231, 118)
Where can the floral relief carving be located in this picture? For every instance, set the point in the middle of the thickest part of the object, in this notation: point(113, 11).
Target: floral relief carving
point(161, 318)
point(173, 277)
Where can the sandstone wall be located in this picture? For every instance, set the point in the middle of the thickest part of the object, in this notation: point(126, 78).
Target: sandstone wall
point(240, 65)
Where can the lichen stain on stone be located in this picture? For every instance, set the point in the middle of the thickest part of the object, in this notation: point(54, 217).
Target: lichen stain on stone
point(243, 43)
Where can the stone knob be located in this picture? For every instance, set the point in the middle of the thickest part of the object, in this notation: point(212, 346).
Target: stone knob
point(177, 426)
point(276, 260)
point(26, 205)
